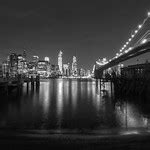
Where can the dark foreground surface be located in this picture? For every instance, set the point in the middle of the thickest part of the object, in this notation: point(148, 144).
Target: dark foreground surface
point(45, 140)
point(73, 114)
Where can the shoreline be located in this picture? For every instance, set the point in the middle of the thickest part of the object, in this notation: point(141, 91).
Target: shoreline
point(73, 141)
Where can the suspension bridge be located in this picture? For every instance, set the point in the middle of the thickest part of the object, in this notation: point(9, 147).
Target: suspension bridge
point(137, 44)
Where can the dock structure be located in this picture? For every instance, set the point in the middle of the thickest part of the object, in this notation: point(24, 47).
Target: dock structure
point(8, 85)
point(125, 87)
point(102, 87)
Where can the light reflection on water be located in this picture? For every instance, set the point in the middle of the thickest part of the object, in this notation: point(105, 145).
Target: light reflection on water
point(45, 91)
point(74, 94)
point(72, 105)
point(129, 116)
point(59, 101)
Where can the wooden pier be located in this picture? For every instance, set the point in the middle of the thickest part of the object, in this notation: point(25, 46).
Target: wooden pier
point(11, 84)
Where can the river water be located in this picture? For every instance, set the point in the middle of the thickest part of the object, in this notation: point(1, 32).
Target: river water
point(70, 105)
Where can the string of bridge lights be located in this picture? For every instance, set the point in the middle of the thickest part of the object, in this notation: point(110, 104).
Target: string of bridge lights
point(123, 49)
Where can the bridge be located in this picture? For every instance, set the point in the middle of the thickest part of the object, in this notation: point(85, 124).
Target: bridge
point(137, 44)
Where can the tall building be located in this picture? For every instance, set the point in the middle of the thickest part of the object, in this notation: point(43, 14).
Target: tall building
point(88, 73)
point(74, 66)
point(13, 63)
point(47, 59)
point(66, 70)
point(20, 64)
point(82, 72)
point(24, 55)
point(54, 71)
point(13, 58)
point(35, 59)
point(60, 63)
point(42, 69)
point(5, 68)
point(32, 65)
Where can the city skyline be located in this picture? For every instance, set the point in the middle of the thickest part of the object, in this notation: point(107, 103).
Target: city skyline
point(19, 64)
point(77, 28)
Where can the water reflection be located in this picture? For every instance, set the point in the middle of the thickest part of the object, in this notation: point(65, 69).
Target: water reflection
point(66, 86)
point(45, 99)
point(72, 105)
point(130, 117)
point(59, 101)
point(74, 94)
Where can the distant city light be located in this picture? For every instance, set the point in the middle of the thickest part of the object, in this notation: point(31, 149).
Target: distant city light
point(130, 48)
point(35, 56)
point(140, 26)
point(60, 64)
point(102, 62)
point(99, 63)
point(132, 35)
point(46, 59)
point(104, 59)
point(122, 65)
point(93, 69)
point(144, 41)
point(124, 48)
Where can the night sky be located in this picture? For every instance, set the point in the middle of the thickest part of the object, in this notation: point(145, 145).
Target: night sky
point(89, 29)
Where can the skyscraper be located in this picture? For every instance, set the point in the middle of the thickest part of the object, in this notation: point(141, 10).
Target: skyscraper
point(13, 63)
point(66, 69)
point(24, 55)
point(47, 59)
point(60, 63)
point(74, 66)
point(35, 59)
point(20, 64)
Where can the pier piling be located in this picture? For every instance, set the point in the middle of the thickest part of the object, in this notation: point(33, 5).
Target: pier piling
point(32, 83)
